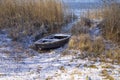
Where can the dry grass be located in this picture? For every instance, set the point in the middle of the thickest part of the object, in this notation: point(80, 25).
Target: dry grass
point(94, 48)
point(94, 14)
point(82, 27)
point(114, 55)
point(111, 23)
point(108, 66)
point(110, 26)
point(25, 17)
point(84, 43)
point(111, 14)
point(98, 45)
point(106, 75)
point(81, 42)
point(77, 29)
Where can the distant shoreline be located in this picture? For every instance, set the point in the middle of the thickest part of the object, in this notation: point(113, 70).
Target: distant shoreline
point(79, 5)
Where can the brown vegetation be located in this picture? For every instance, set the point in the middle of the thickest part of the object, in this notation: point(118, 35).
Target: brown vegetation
point(93, 49)
point(114, 55)
point(32, 17)
point(81, 27)
point(111, 23)
point(110, 29)
point(94, 14)
point(106, 75)
point(84, 43)
point(111, 14)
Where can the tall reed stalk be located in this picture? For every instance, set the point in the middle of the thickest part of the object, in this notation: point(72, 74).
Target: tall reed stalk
point(111, 14)
point(25, 17)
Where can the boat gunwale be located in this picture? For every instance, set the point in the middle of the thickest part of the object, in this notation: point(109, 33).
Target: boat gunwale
point(67, 37)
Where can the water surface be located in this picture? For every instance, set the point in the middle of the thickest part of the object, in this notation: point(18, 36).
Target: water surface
point(79, 6)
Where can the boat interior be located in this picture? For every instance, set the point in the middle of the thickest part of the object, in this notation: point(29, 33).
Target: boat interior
point(51, 39)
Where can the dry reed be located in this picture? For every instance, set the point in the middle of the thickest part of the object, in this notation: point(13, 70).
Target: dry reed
point(32, 17)
point(111, 14)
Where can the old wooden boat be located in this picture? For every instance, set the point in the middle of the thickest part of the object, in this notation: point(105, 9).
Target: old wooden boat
point(52, 41)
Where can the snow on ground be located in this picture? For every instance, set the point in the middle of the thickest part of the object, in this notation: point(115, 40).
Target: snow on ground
point(17, 63)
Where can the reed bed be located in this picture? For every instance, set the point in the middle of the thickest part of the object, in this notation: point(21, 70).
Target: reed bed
point(111, 14)
point(110, 27)
point(23, 17)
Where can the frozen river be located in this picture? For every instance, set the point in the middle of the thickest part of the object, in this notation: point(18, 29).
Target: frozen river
point(78, 6)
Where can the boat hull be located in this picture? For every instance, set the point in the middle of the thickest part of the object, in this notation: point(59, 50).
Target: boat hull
point(51, 45)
